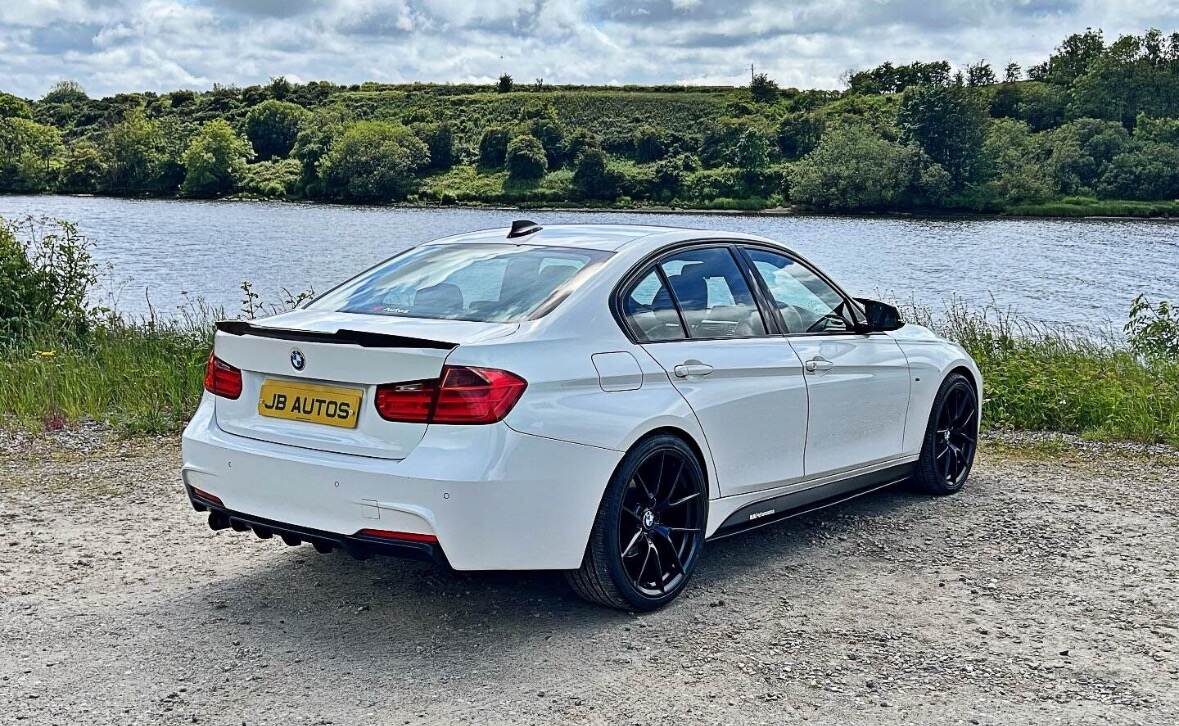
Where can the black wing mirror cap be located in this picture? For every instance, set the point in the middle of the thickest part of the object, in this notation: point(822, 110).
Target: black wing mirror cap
point(882, 317)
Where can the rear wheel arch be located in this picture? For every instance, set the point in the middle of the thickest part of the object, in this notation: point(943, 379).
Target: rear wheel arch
point(701, 457)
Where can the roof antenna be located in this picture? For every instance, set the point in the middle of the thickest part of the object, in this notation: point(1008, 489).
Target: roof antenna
point(523, 228)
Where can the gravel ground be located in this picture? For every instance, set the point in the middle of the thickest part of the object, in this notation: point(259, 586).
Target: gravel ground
point(1045, 593)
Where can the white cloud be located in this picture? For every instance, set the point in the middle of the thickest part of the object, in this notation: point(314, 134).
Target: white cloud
point(122, 45)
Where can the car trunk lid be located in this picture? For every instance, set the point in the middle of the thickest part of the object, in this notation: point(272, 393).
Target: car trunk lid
point(303, 371)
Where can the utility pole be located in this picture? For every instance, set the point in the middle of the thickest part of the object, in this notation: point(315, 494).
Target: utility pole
point(751, 76)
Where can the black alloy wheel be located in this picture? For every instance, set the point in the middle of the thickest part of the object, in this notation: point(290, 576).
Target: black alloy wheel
point(650, 528)
point(951, 439)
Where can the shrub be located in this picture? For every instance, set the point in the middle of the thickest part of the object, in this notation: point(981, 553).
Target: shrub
point(214, 160)
point(272, 127)
point(27, 150)
point(374, 161)
point(278, 179)
point(83, 169)
point(525, 158)
point(853, 168)
point(594, 179)
point(504, 85)
point(649, 144)
point(13, 107)
point(45, 274)
point(493, 147)
point(439, 140)
point(1153, 330)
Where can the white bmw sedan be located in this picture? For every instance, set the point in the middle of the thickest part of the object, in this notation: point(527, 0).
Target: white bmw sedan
point(596, 399)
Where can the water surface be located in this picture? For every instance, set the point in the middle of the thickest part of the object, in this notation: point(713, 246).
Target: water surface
point(166, 253)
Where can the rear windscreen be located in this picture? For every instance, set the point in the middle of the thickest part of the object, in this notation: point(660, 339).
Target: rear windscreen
point(494, 283)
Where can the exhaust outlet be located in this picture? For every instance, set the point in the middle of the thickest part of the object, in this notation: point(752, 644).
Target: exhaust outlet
point(217, 521)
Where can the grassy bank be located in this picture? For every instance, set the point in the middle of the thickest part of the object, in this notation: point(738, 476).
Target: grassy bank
point(146, 378)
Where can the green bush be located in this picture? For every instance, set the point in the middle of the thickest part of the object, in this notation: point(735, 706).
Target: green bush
point(374, 161)
point(594, 179)
point(439, 140)
point(649, 144)
point(493, 147)
point(45, 274)
point(272, 127)
point(214, 160)
point(271, 179)
point(525, 158)
point(853, 168)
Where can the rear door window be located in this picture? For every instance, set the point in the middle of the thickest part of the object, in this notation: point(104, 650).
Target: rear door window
point(712, 294)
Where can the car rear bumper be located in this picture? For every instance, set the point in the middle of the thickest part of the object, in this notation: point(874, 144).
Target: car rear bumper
point(360, 546)
point(493, 498)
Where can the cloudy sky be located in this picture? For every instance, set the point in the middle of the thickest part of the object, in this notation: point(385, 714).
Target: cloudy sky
point(124, 45)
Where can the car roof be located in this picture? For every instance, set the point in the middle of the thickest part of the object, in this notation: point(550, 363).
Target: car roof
point(609, 237)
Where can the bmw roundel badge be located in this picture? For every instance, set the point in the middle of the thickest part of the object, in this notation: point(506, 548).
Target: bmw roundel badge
point(298, 360)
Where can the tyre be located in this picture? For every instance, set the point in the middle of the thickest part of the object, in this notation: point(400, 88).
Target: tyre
point(649, 530)
point(951, 438)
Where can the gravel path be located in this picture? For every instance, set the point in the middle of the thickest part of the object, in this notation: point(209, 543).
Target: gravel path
point(1047, 592)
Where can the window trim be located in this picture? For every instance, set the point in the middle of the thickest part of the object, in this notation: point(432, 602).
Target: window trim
point(771, 318)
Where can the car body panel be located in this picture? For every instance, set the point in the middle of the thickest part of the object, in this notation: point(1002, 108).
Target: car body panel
point(858, 404)
point(523, 493)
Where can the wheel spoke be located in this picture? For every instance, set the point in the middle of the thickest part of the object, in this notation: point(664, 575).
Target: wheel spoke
point(633, 541)
point(682, 500)
point(643, 567)
point(675, 480)
point(643, 485)
point(658, 567)
point(633, 513)
point(675, 555)
point(682, 529)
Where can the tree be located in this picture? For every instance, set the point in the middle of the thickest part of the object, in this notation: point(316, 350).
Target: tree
point(1150, 171)
point(1081, 150)
point(946, 122)
point(493, 146)
point(313, 142)
point(887, 78)
point(798, 134)
point(27, 151)
point(649, 144)
point(83, 169)
point(505, 84)
point(272, 127)
point(214, 160)
point(1074, 56)
point(980, 74)
point(13, 107)
point(65, 92)
point(854, 168)
point(594, 179)
point(763, 89)
point(135, 152)
point(1013, 166)
point(1012, 73)
point(525, 159)
point(752, 151)
point(439, 139)
point(373, 161)
point(578, 142)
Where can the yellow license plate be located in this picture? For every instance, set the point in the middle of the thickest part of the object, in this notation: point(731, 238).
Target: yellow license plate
point(330, 405)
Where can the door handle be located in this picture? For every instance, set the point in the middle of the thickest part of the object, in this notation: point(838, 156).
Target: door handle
point(692, 368)
point(818, 363)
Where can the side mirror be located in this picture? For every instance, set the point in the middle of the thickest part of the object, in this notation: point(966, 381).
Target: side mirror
point(881, 316)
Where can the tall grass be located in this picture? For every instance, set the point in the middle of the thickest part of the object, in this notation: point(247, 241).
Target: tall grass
point(1042, 377)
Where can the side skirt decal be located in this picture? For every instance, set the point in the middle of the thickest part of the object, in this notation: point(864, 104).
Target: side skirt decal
point(785, 506)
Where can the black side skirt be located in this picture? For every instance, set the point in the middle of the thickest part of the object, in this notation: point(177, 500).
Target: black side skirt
point(785, 506)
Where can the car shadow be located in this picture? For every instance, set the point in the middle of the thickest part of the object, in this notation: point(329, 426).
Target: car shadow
point(297, 596)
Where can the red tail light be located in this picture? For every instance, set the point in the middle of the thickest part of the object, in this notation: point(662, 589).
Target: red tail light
point(463, 395)
point(222, 379)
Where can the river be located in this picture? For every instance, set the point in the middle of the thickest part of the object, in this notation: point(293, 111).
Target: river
point(163, 254)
